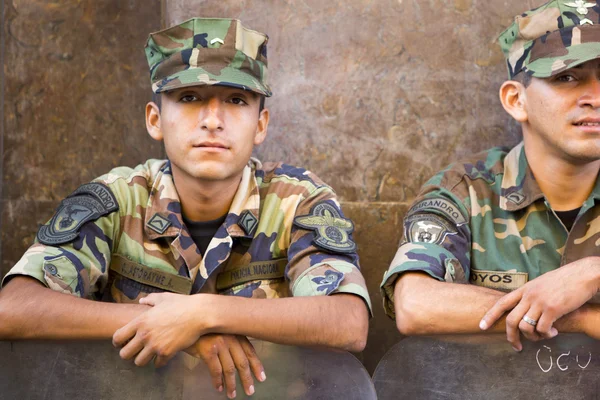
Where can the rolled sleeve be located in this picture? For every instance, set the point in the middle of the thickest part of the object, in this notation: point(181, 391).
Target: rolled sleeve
point(435, 242)
point(78, 268)
point(317, 269)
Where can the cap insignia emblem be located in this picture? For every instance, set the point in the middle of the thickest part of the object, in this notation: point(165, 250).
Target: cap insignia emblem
point(581, 6)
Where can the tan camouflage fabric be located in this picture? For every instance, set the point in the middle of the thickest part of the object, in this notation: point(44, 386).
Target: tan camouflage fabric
point(484, 220)
point(257, 252)
point(552, 38)
point(208, 51)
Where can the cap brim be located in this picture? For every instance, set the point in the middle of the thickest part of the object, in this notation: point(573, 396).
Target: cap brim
point(577, 54)
point(229, 77)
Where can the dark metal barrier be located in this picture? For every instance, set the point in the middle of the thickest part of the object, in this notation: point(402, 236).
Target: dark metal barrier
point(486, 367)
point(93, 370)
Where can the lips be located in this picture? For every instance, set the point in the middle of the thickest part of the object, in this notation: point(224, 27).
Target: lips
point(217, 145)
point(588, 122)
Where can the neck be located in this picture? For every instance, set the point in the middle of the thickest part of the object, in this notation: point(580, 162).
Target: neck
point(565, 184)
point(204, 200)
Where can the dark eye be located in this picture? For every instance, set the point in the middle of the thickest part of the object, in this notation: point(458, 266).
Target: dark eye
point(238, 101)
point(188, 98)
point(566, 78)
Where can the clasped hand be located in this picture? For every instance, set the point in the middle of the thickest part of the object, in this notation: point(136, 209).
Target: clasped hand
point(545, 300)
point(175, 323)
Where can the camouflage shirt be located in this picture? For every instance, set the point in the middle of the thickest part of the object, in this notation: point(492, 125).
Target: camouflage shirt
point(284, 235)
point(486, 221)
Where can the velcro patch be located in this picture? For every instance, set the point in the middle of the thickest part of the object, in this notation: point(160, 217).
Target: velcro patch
point(427, 228)
point(150, 276)
point(258, 270)
point(499, 280)
point(444, 206)
point(88, 203)
point(332, 232)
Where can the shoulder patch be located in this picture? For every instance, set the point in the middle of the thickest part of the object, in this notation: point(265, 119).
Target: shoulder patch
point(88, 203)
point(331, 230)
point(446, 207)
point(427, 228)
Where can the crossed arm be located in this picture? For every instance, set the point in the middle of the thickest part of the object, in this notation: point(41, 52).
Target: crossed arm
point(212, 327)
point(557, 300)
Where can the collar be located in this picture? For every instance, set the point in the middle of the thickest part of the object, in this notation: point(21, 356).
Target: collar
point(519, 188)
point(163, 210)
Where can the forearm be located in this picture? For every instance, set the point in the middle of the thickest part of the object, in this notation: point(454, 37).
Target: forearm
point(339, 321)
point(28, 310)
point(425, 306)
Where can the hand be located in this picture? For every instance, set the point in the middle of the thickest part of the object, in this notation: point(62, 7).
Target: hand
point(171, 325)
point(224, 354)
point(545, 299)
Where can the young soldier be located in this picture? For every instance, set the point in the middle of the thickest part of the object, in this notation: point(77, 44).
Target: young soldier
point(523, 220)
point(244, 248)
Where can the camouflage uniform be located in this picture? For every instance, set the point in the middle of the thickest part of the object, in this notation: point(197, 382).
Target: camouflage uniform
point(485, 220)
point(122, 236)
point(284, 235)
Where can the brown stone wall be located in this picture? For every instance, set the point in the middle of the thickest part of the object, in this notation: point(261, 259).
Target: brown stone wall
point(75, 86)
point(376, 96)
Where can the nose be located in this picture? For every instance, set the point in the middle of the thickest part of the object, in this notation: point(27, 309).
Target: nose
point(211, 116)
point(591, 95)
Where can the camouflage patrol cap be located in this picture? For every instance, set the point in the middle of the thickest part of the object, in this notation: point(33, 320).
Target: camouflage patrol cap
point(208, 51)
point(552, 38)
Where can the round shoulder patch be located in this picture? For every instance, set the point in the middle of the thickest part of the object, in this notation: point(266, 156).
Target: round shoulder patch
point(427, 228)
point(88, 203)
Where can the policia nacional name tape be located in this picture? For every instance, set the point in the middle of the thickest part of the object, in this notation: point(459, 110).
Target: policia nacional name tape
point(150, 276)
point(259, 270)
point(444, 206)
point(499, 280)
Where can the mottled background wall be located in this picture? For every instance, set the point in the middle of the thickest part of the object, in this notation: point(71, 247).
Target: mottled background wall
point(374, 96)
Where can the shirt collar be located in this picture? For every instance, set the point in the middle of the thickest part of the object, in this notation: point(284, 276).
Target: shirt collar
point(163, 211)
point(519, 188)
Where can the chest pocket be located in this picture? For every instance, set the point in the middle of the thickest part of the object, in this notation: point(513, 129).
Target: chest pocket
point(260, 279)
point(130, 281)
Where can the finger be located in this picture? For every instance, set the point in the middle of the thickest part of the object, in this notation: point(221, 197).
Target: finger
point(215, 369)
point(545, 327)
point(124, 334)
point(131, 349)
point(228, 372)
point(242, 365)
point(527, 329)
point(506, 303)
point(255, 364)
point(513, 319)
point(144, 356)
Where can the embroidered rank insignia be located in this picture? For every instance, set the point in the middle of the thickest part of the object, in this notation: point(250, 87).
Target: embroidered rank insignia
point(427, 228)
point(516, 198)
point(248, 222)
point(331, 230)
point(88, 203)
point(158, 223)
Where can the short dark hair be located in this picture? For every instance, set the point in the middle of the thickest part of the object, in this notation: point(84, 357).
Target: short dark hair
point(523, 77)
point(156, 99)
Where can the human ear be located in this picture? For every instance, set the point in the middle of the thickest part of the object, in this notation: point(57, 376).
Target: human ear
point(153, 121)
point(261, 127)
point(513, 98)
